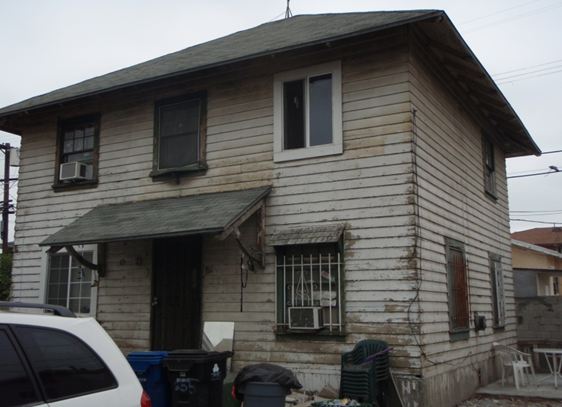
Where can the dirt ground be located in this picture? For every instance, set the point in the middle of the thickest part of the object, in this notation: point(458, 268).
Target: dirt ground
point(504, 401)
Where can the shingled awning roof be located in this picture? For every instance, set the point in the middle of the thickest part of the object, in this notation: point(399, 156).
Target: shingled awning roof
point(307, 235)
point(189, 215)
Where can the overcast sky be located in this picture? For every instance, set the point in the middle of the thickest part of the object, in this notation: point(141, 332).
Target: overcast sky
point(49, 44)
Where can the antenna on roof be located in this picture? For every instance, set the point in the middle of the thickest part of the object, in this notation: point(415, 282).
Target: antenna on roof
point(288, 13)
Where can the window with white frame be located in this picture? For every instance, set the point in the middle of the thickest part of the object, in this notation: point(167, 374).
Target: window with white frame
point(71, 284)
point(310, 294)
point(308, 112)
point(498, 296)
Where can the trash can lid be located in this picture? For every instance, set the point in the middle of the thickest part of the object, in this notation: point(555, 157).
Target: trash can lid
point(148, 354)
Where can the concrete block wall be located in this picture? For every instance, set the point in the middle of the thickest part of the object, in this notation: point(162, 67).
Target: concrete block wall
point(539, 325)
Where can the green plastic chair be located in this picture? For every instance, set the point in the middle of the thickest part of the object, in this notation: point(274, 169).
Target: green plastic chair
point(365, 372)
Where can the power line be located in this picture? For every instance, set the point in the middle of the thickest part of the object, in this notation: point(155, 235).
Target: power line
point(535, 221)
point(517, 17)
point(499, 12)
point(529, 67)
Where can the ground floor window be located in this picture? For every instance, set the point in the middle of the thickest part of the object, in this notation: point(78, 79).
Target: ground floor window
point(457, 276)
point(498, 297)
point(310, 289)
point(70, 284)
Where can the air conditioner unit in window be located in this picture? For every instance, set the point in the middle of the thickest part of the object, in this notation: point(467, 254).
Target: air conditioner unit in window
point(305, 318)
point(73, 171)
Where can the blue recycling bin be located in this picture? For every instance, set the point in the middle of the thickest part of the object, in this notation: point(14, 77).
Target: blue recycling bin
point(150, 370)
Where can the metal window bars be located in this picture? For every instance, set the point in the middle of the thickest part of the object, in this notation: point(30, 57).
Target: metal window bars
point(312, 281)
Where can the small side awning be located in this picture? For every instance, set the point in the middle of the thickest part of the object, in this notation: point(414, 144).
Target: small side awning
point(307, 235)
point(189, 215)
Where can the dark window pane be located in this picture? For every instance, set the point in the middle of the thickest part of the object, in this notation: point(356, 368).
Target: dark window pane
point(179, 134)
point(320, 90)
point(66, 366)
point(69, 146)
point(90, 130)
point(15, 386)
point(78, 144)
point(179, 151)
point(88, 143)
point(294, 114)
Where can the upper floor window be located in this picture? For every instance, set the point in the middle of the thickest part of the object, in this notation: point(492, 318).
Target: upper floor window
point(457, 276)
point(308, 112)
point(180, 134)
point(489, 167)
point(77, 161)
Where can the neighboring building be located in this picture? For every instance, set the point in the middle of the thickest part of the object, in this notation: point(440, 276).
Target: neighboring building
point(358, 159)
point(536, 271)
point(549, 238)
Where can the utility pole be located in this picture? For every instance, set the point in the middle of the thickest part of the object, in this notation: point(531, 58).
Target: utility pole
point(6, 148)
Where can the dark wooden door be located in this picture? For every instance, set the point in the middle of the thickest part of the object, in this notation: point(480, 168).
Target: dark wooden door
point(176, 307)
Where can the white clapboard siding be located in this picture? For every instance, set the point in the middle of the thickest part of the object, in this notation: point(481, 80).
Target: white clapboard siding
point(390, 155)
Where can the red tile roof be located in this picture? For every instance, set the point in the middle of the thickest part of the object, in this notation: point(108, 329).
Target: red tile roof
point(540, 236)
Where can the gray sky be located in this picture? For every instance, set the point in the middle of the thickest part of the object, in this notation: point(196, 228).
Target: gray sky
point(49, 44)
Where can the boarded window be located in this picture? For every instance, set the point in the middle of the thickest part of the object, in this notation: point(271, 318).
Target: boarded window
point(498, 296)
point(458, 288)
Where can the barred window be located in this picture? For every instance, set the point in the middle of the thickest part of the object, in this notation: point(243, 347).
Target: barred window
point(310, 289)
point(457, 272)
point(498, 297)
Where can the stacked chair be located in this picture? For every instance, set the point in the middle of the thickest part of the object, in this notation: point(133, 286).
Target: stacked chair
point(365, 372)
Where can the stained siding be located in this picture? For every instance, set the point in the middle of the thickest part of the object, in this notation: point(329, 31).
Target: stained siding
point(452, 203)
point(371, 188)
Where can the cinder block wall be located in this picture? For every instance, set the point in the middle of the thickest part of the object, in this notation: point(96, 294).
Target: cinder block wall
point(539, 325)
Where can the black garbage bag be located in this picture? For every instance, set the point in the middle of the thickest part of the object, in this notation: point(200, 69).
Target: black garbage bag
point(264, 373)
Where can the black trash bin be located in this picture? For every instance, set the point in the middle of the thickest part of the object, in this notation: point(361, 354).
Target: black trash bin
point(150, 371)
point(196, 377)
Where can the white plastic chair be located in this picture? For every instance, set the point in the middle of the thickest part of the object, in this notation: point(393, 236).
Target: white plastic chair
point(520, 363)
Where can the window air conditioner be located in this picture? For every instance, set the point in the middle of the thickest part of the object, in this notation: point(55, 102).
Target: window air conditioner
point(72, 171)
point(305, 318)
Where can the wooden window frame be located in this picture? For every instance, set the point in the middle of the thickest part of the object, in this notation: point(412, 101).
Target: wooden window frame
point(498, 290)
point(336, 146)
point(200, 164)
point(489, 166)
point(458, 290)
point(61, 156)
point(287, 264)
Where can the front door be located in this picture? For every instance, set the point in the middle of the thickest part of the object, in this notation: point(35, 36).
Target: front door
point(176, 306)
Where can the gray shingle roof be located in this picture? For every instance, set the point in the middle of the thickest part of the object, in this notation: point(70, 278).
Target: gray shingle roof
point(307, 235)
point(196, 214)
point(292, 33)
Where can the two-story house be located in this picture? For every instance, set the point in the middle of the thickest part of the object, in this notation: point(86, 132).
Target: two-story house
point(317, 181)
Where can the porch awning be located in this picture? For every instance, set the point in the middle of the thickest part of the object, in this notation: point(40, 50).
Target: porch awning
point(189, 215)
point(307, 235)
